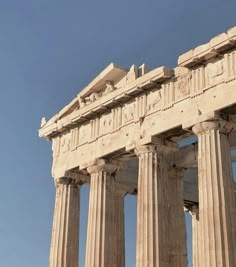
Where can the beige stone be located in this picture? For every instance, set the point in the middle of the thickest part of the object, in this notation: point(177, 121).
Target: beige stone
point(177, 231)
point(65, 231)
point(120, 135)
point(217, 205)
point(152, 215)
point(196, 240)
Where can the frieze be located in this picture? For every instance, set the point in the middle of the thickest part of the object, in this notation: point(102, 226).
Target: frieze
point(141, 107)
point(116, 118)
point(80, 110)
point(106, 123)
point(65, 142)
point(94, 129)
point(230, 65)
point(198, 80)
point(56, 146)
point(168, 91)
point(188, 83)
point(182, 87)
point(154, 100)
point(74, 138)
point(128, 112)
point(215, 72)
point(84, 131)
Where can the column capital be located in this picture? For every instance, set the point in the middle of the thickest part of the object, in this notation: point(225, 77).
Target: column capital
point(225, 127)
point(158, 147)
point(66, 181)
point(105, 165)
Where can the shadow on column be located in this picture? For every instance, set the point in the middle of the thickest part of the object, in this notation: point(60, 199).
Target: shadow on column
point(84, 201)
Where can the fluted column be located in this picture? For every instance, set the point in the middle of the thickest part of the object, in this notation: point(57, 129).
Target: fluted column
point(65, 231)
point(100, 233)
point(152, 224)
point(176, 219)
point(217, 207)
point(119, 231)
point(195, 237)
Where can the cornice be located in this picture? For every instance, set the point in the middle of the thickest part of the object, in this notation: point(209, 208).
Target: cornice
point(121, 95)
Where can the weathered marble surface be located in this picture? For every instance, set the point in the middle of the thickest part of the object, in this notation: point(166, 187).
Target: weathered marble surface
point(120, 134)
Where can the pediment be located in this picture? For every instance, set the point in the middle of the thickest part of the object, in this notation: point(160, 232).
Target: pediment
point(112, 73)
point(110, 79)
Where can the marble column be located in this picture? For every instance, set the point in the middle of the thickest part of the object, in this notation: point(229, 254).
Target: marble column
point(176, 219)
point(119, 231)
point(152, 224)
point(195, 237)
point(217, 206)
point(100, 233)
point(65, 231)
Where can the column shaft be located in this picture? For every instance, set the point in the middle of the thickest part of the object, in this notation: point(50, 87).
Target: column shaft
point(176, 218)
point(196, 243)
point(65, 231)
point(152, 225)
point(100, 232)
point(119, 231)
point(217, 210)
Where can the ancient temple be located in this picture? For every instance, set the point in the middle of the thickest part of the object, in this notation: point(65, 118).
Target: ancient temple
point(121, 136)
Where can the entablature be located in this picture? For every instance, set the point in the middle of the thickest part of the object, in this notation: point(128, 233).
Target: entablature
point(105, 103)
point(158, 89)
point(216, 47)
point(121, 108)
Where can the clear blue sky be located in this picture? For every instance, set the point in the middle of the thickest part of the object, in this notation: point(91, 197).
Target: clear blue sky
point(49, 50)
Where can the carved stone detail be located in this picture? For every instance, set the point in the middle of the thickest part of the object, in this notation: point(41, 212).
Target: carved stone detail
point(116, 118)
point(222, 126)
point(132, 74)
point(95, 125)
point(169, 94)
point(198, 80)
point(128, 112)
point(83, 133)
point(65, 142)
point(56, 145)
point(74, 138)
point(109, 87)
point(122, 112)
point(230, 61)
point(143, 69)
point(155, 100)
point(214, 72)
point(182, 87)
point(141, 107)
point(103, 166)
point(91, 98)
point(106, 123)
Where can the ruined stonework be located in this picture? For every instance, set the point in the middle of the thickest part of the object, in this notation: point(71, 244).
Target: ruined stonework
point(121, 136)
